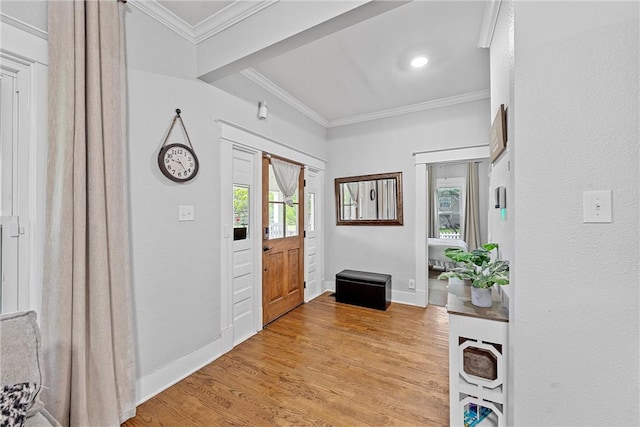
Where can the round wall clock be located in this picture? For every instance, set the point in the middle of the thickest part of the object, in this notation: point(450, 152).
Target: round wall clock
point(178, 162)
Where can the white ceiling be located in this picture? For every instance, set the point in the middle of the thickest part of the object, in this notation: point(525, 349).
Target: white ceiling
point(194, 12)
point(362, 72)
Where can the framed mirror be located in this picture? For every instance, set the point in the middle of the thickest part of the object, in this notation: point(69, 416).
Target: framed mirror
point(369, 199)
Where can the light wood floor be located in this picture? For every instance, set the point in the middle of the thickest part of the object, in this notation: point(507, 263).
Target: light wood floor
point(323, 364)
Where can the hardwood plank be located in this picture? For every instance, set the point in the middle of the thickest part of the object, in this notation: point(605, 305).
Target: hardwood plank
point(322, 364)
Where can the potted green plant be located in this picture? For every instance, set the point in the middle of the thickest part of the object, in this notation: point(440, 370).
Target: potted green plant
point(478, 267)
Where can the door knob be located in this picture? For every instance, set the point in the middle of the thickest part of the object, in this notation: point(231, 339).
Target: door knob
point(266, 248)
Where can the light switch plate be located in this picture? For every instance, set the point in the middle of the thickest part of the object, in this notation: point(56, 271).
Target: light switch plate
point(185, 213)
point(596, 206)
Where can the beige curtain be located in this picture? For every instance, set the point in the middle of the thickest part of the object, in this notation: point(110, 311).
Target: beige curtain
point(86, 319)
point(433, 229)
point(471, 229)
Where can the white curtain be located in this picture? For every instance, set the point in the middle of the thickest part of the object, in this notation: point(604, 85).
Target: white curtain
point(386, 198)
point(433, 228)
point(471, 229)
point(86, 320)
point(351, 212)
point(287, 175)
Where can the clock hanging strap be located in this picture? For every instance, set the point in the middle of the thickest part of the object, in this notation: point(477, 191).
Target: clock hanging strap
point(173, 123)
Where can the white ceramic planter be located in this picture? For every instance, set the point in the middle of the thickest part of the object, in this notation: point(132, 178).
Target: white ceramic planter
point(481, 297)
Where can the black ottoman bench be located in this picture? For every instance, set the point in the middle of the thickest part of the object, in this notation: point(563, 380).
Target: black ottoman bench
point(372, 290)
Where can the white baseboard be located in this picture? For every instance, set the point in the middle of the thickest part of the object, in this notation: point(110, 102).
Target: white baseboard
point(403, 297)
point(421, 298)
point(329, 285)
point(160, 380)
point(313, 296)
point(226, 338)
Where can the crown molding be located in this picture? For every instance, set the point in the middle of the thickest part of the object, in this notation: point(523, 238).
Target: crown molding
point(259, 79)
point(285, 96)
point(414, 108)
point(225, 18)
point(489, 20)
point(165, 17)
point(6, 19)
point(220, 21)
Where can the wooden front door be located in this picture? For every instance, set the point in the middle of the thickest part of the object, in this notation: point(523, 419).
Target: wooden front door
point(282, 245)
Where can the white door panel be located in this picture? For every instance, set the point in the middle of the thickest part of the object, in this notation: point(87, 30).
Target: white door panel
point(244, 311)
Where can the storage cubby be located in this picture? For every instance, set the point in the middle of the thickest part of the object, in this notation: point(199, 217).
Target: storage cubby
point(477, 361)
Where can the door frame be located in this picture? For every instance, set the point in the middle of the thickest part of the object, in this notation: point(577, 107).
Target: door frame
point(301, 237)
point(24, 51)
point(233, 135)
point(422, 160)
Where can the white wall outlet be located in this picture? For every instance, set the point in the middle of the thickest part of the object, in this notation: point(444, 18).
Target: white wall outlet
point(185, 213)
point(412, 284)
point(596, 206)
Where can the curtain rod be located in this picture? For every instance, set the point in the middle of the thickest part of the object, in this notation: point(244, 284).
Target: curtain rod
point(270, 156)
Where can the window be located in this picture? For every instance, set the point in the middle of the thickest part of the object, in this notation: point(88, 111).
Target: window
point(283, 219)
point(450, 199)
point(241, 207)
point(311, 212)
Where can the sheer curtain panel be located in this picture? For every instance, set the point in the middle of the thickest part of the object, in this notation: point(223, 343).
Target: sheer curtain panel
point(287, 175)
point(86, 320)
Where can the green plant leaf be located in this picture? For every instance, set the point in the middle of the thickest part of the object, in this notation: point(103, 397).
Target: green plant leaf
point(477, 267)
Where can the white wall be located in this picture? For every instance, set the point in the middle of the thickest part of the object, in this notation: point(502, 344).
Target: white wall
point(176, 265)
point(502, 73)
point(576, 129)
point(501, 229)
point(387, 146)
point(33, 12)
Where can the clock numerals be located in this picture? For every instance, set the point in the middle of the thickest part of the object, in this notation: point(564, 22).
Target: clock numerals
point(178, 162)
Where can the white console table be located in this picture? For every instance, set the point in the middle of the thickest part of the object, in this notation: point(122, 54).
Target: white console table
point(477, 360)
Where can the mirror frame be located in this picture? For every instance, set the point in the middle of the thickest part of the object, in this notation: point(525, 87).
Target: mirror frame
point(394, 175)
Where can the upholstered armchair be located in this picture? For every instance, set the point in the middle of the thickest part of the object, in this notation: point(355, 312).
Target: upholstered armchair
point(21, 372)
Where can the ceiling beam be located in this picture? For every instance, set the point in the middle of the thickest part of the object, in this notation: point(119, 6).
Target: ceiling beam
point(489, 20)
point(277, 29)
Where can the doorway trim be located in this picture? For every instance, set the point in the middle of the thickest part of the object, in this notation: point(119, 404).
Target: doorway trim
point(233, 135)
point(422, 160)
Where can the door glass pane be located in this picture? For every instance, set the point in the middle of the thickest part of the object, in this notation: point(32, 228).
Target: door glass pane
point(311, 212)
point(283, 219)
point(292, 220)
point(276, 226)
point(240, 212)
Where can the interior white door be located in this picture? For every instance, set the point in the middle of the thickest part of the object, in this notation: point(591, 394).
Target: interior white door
point(245, 188)
point(9, 226)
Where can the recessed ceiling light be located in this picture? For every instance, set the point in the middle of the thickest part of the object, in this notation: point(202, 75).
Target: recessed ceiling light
point(419, 61)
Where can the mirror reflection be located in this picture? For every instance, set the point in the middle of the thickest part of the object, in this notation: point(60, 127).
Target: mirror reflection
point(369, 199)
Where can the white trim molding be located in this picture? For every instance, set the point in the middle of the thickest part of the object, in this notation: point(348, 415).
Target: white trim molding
point(254, 140)
point(422, 207)
point(220, 21)
point(414, 108)
point(225, 18)
point(472, 152)
point(165, 17)
point(259, 79)
point(35, 31)
point(163, 378)
point(23, 43)
point(262, 81)
point(489, 19)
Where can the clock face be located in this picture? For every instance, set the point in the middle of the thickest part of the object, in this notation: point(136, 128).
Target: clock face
point(178, 162)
